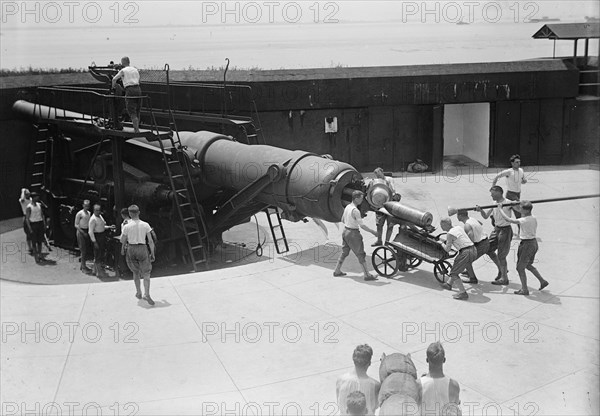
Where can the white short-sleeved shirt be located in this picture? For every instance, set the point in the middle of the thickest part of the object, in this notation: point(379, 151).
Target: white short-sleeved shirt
point(461, 239)
point(478, 233)
point(136, 231)
point(351, 217)
point(513, 179)
point(130, 76)
point(36, 212)
point(528, 227)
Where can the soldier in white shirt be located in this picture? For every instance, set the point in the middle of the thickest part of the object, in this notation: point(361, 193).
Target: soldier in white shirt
point(515, 177)
point(97, 233)
point(131, 82)
point(36, 223)
point(351, 238)
point(137, 245)
point(528, 246)
point(467, 253)
point(474, 230)
point(82, 222)
point(501, 236)
point(25, 200)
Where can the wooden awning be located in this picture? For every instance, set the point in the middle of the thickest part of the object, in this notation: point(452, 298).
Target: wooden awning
point(570, 31)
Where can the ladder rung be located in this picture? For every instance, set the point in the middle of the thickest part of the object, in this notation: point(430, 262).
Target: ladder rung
point(41, 152)
point(177, 176)
point(181, 190)
point(193, 233)
point(36, 184)
point(185, 204)
point(37, 173)
point(189, 219)
point(39, 141)
point(198, 247)
point(170, 162)
point(39, 163)
point(200, 261)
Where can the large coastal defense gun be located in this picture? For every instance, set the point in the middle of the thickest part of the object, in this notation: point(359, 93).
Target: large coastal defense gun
point(191, 186)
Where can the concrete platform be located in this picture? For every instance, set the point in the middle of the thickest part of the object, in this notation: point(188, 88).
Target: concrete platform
point(270, 335)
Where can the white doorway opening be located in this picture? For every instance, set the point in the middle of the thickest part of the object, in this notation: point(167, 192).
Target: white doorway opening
point(467, 134)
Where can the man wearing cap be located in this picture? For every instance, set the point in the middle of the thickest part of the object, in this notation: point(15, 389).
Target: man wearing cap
point(501, 236)
point(474, 230)
point(138, 247)
point(131, 82)
point(459, 240)
point(351, 238)
point(25, 200)
point(82, 221)
point(36, 223)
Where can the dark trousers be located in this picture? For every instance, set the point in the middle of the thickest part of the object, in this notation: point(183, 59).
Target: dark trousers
point(37, 237)
point(99, 250)
point(83, 242)
point(500, 240)
point(525, 258)
point(352, 240)
point(482, 247)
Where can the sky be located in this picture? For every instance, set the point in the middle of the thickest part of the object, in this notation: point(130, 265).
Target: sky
point(60, 14)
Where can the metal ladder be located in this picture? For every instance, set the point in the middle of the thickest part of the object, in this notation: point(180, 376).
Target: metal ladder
point(277, 228)
point(186, 202)
point(38, 173)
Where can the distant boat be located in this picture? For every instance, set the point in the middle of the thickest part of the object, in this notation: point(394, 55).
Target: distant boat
point(462, 22)
point(592, 19)
point(544, 19)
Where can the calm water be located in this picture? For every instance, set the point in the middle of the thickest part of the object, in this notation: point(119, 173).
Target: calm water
point(274, 46)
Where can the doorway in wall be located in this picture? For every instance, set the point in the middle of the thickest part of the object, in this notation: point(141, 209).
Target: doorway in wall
point(466, 134)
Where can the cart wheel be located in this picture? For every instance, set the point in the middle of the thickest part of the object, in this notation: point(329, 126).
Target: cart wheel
point(414, 262)
point(441, 270)
point(385, 261)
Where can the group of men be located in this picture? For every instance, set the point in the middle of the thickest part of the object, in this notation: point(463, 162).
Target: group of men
point(137, 244)
point(34, 223)
point(357, 393)
point(469, 240)
point(137, 238)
